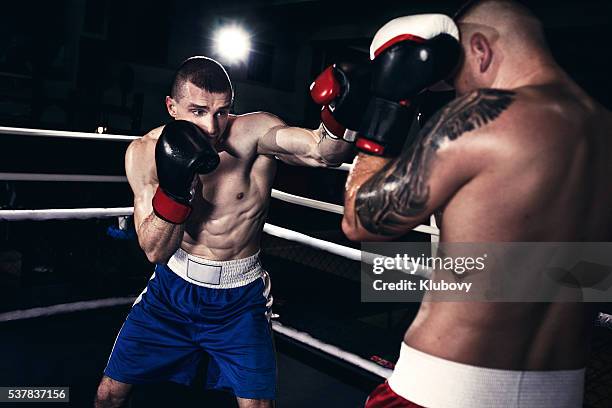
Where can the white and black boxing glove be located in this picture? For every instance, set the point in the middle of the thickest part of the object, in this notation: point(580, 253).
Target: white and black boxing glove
point(409, 54)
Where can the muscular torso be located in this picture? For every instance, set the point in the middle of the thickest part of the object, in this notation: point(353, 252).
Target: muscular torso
point(230, 208)
point(230, 204)
point(550, 183)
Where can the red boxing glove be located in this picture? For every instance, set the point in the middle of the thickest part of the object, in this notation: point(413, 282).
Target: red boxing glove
point(169, 209)
point(343, 90)
point(325, 88)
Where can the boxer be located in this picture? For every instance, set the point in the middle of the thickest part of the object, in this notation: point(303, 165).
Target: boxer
point(522, 154)
point(202, 186)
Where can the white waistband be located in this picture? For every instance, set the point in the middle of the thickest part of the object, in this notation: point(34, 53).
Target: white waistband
point(215, 274)
point(434, 382)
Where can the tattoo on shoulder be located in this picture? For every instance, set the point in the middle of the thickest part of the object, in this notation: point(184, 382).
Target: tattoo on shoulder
point(401, 189)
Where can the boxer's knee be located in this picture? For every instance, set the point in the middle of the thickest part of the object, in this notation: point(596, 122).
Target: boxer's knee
point(111, 393)
point(254, 403)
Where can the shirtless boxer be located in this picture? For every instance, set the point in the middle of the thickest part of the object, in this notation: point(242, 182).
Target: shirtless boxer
point(201, 188)
point(522, 154)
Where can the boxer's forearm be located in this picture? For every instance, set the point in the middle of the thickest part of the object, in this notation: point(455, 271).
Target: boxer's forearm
point(334, 152)
point(364, 167)
point(304, 147)
point(159, 239)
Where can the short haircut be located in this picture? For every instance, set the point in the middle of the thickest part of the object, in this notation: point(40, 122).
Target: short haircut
point(203, 72)
point(468, 5)
point(510, 18)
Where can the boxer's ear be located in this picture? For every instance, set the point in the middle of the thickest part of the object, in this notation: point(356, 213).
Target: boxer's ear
point(171, 106)
point(481, 48)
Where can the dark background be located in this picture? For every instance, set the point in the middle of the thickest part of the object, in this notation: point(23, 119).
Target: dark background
point(83, 64)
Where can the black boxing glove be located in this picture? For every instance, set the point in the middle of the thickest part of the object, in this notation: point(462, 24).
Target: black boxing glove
point(181, 152)
point(409, 55)
point(343, 91)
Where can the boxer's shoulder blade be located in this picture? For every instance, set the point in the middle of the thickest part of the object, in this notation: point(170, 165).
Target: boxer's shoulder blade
point(545, 117)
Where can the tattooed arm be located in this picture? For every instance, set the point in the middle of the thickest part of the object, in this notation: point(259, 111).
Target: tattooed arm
point(299, 146)
point(387, 198)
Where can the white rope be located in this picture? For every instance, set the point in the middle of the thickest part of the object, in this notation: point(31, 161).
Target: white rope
point(331, 247)
point(307, 202)
point(65, 134)
point(335, 208)
point(294, 334)
point(64, 308)
point(64, 214)
point(61, 177)
point(343, 167)
point(337, 352)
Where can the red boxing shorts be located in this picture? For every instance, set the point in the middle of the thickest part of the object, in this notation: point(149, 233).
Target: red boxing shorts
point(384, 397)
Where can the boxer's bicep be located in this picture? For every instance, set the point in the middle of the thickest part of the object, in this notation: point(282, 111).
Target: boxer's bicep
point(430, 171)
point(140, 172)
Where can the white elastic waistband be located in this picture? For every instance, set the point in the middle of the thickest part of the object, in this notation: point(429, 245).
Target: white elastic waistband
point(215, 274)
point(434, 382)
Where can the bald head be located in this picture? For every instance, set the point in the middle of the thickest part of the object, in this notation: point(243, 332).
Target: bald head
point(498, 37)
point(506, 20)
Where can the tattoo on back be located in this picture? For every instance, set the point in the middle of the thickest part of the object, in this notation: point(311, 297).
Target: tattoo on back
point(401, 189)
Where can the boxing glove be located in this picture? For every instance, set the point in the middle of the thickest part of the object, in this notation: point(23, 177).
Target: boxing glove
point(409, 54)
point(181, 152)
point(343, 91)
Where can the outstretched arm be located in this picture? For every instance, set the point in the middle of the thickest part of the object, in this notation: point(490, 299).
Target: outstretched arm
point(299, 146)
point(342, 90)
point(386, 198)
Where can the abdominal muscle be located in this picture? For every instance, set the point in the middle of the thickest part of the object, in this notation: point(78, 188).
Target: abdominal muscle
point(228, 217)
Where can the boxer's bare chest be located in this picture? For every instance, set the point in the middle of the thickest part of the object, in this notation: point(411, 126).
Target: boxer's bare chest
point(239, 186)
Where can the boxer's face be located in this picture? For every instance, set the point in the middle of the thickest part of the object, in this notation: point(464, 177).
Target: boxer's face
point(209, 111)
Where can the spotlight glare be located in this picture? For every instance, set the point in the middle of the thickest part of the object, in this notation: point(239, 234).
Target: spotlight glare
point(232, 43)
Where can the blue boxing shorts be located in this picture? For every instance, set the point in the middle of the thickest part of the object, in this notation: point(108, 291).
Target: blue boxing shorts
point(193, 306)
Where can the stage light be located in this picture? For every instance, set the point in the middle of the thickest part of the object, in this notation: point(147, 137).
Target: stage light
point(232, 43)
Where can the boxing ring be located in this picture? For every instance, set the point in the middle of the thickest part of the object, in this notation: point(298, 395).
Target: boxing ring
point(298, 336)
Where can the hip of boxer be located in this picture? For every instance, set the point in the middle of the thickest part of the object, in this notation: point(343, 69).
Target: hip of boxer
point(423, 380)
point(216, 274)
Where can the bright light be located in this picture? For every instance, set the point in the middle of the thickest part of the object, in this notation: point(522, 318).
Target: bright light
point(232, 43)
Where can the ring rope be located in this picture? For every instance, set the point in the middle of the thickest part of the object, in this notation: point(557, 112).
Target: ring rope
point(64, 214)
point(290, 332)
point(277, 194)
point(95, 136)
point(307, 202)
point(335, 351)
point(343, 167)
point(62, 177)
point(65, 134)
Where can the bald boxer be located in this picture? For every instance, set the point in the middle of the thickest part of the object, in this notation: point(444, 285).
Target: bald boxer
point(521, 155)
point(202, 186)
